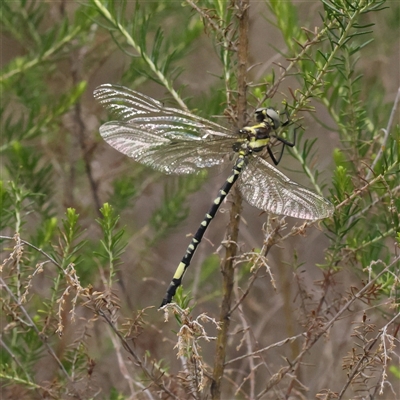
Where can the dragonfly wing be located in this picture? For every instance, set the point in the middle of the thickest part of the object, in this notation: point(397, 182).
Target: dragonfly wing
point(266, 188)
point(142, 110)
point(184, 154)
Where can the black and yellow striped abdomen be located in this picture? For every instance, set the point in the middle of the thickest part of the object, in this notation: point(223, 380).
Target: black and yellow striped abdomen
point(187, 258)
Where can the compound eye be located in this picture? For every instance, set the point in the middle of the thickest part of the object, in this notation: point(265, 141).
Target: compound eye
point(274, 117)
point(260, 114)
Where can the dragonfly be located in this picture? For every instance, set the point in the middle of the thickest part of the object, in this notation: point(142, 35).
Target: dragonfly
point(175, 141)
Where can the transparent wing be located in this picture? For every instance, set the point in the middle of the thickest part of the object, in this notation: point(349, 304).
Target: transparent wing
point(183, 155)
point(266, 188)
point(166, 139)
point(138, 109)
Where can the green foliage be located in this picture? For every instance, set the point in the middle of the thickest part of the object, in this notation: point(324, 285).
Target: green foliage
point(115, 395)
point(5, 207)
point(183, 300)
point(212, 287)
point(124, 192)
point(288, 23)
point(154, 64)
point(24, 167)
point(172, 210)
point(329, 73)
point(395, 371)
point(113, 246)
point(70, 242)
point(81, 247)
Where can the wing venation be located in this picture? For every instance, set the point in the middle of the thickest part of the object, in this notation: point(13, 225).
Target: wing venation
point(266, 188)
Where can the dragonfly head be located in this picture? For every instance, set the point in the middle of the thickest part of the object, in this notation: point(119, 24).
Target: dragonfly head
point(269, 113)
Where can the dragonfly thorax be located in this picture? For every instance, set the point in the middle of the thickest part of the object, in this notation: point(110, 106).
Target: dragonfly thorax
point(256, 137)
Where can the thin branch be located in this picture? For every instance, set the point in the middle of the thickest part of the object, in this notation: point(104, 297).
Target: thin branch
point(131, 41)
point(43, 338)
point(325, 328)
point(132, 352)
point(76, 67)
point(46, 56)
point(386, 137)
point(271, 346)
point(15, 359)
point(98, 310)
point(233, 227)
point(355, 369)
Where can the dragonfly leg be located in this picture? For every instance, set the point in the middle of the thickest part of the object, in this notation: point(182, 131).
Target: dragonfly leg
point(287, 142)
point(275, 160)
point(284, 142)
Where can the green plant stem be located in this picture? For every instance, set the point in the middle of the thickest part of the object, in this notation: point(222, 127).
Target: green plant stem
point(35, 328)
point(131, 41)
point(386, 138)
point(303, 99)
point(234, 219)
point(41, 58)
point(15, 359)
point(24, 382)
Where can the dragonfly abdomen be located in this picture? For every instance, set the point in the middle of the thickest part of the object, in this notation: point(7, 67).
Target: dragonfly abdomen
point(187, 258)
